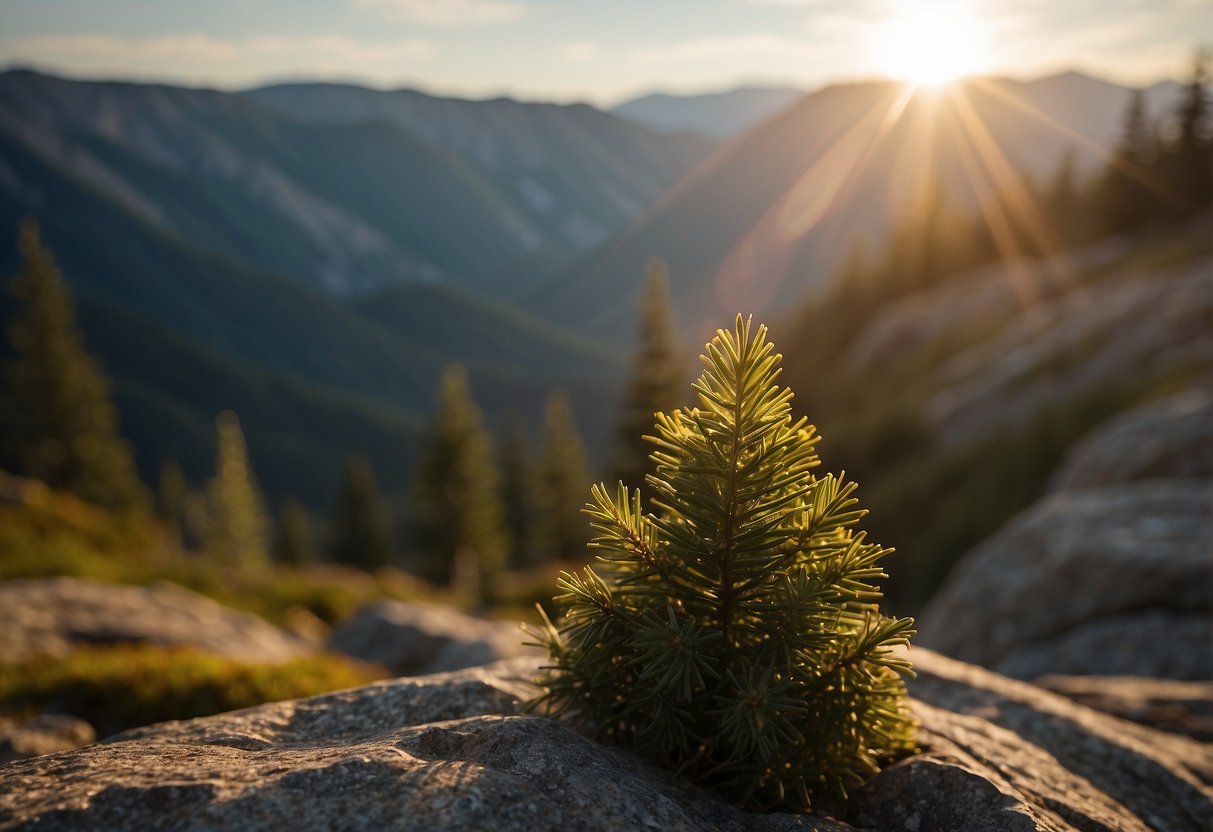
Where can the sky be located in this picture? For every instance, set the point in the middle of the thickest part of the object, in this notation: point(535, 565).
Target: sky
point(602, 51)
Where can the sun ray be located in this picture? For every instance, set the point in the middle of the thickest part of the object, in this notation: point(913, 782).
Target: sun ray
point(768, 248)
point(1107, 157)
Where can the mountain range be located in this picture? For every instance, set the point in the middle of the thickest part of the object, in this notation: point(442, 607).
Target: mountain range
point(311, 255)
point(294, 265)
point(765, 220)
point(717, 115)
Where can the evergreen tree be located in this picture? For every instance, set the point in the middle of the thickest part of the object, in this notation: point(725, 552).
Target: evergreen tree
point(171, 493)
point(457, 532)
point(560, 478)
point(64, 426)
point(293, 535)
point(1063, 201)
point(656, 381)
point(237, 534)
point(1192, 157)
point(361, 528)
point(1126, 196)
point(736, 634)
point(517, 490)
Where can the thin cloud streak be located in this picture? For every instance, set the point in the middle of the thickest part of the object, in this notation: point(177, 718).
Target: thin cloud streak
point(201, 57)
point(448, 12)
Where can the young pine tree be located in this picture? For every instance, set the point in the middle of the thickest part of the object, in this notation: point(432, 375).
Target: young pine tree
point(457, 527)
point(560, 480)
point(237, 532)
point(64, 424)
point(361, 529)
point(736, 633)
point(293, 542)
point(657, 379)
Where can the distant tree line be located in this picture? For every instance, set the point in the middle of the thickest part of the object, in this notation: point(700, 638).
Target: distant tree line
point(473, 511)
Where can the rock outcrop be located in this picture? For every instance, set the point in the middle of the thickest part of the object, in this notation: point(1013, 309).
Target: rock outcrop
point(414, 639)
point(52, 616)
point(1167, 704)
point(1169, 439)
point(1112, 581)
point(1011, 339)
point(453, 752)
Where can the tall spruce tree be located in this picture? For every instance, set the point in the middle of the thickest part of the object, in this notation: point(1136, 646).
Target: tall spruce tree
point(517, 490)
point(560, 478)
point(1191, 167)
point(64, 423)
point(1126, 196)
point(457, 532)
point(735, 634)
point(360, 531)
point(293, 540)
point(237, 534)
point(656, 382)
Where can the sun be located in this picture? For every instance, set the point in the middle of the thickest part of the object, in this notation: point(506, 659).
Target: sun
point(930, 43)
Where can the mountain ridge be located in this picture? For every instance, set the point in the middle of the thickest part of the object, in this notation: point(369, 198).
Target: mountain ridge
point(767, 218)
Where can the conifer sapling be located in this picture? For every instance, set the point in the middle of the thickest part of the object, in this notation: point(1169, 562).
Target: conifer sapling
point(735, 634)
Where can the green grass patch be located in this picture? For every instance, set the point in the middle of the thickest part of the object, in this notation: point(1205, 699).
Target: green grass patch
point(120, 687)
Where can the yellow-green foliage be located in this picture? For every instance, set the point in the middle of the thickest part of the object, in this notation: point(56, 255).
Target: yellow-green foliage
point(121, 687)
point(45, 532)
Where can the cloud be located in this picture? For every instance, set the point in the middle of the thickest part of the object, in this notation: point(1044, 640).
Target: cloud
point(95, 47)
point(578, 50)
point(735, 46)
point(448, 12)
point(207, 59)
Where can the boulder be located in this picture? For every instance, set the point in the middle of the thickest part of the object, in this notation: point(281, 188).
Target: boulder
point(52, 616)
point(413, 639)
point(452, 751)
point(1124, 569)
point(1149, 642)
point(1169, 439)
point(999, 754)
point(1166, 704)
point(43, 734)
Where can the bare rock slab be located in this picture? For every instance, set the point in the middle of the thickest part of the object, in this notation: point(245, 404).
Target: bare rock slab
point(52, 616)
point(451, 751)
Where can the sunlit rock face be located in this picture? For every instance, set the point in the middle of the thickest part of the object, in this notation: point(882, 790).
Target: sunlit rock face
point(452, 751)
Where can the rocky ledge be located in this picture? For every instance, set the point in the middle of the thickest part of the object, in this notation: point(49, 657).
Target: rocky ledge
point(451, 751)
point(52, 616)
